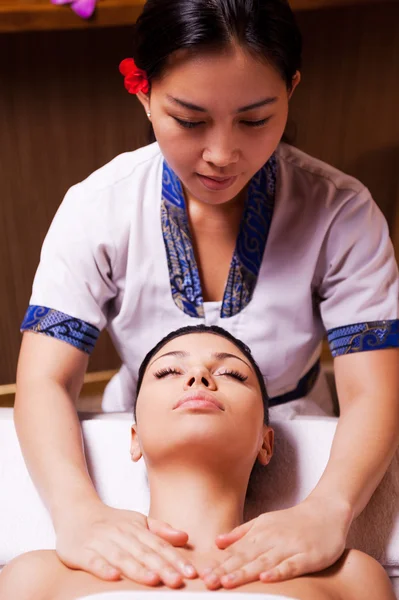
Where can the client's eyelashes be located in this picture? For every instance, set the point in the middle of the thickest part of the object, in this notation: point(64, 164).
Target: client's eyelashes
point(235, 375)
point(166, 371)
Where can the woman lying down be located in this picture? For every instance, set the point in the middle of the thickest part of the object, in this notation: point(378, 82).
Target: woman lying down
point(201, 424)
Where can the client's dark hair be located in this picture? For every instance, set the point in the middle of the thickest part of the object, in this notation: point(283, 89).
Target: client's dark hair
point(265, 28)
point(216, 331)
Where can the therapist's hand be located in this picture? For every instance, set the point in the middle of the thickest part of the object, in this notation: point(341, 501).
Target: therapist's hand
point(281, 545)
point(110, 543)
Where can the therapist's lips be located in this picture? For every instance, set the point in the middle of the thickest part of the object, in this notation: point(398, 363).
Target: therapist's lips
point(217, 183)
point(199, 399)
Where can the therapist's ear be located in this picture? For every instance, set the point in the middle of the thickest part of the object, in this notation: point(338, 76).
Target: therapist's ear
point(135, 450)
point(266, 452)
point(295, 82)
point(145, 101)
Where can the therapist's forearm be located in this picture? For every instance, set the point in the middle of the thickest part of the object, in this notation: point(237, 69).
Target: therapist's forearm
point(366, 438)
point(50, 436)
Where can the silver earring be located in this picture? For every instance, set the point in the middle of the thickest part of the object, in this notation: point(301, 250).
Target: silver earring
point(149, 114)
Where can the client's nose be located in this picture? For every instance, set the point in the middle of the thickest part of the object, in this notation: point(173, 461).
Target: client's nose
point(200, 378)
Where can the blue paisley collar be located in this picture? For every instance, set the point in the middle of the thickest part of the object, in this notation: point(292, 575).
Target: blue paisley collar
point(247, 258)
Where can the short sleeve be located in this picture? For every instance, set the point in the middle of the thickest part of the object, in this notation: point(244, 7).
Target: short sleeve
point(358, 280)
point(73, 283)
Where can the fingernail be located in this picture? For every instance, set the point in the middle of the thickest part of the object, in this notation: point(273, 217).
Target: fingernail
point(189, 571)
point(212, 579)
point(230, 577)
point(172, 573)
point(111, 571)
point(151, 574)
point(207, 571)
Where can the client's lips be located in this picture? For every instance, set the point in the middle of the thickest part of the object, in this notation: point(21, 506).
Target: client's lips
point(199, 399)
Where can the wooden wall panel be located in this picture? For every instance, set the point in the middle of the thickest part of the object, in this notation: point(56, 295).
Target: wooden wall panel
point(346, 109)
point(64, 112)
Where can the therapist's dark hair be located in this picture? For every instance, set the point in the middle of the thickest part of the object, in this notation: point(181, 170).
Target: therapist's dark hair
point(265, 28)
point(244, 349)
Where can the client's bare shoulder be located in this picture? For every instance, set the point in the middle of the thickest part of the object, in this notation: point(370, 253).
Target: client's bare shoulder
point(41, 575)
point(31, 575)
point(363, 577)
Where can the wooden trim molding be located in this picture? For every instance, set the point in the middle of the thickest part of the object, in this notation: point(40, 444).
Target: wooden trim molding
point(36, 15)
point(94, 385)
point(319, 4)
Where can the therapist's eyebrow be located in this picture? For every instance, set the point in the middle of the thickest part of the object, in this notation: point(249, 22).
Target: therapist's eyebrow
point(191, 106)
point(265, 102)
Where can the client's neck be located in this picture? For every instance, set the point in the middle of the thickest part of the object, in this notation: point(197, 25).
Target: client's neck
point(201, 502)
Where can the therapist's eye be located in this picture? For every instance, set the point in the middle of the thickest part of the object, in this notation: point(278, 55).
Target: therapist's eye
point(233, 374)
point(188, 124)
point(166, 371)
point(256, 123)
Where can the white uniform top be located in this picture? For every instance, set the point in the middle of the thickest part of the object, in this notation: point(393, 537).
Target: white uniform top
point(113, 253)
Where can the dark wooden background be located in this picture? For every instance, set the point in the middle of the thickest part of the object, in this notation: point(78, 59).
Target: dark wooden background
point(64, 113)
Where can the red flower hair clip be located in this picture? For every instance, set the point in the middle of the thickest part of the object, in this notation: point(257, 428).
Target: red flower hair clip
point(136, 79)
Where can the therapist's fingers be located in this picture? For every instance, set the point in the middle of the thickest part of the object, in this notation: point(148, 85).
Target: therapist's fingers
point(294, 566)
point(269, 568)
point(169, 553)
point(253, 570)
point(226, 539)
point(235, 571)
point(208, 567)
point(167, 532)
point(98, 566)
point(114, 556)
point(99, 537)
point(128, 552)
point(239, 557)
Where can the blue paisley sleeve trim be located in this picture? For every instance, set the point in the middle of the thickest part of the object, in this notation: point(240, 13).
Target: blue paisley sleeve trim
point(56, 324)
point(361, 337)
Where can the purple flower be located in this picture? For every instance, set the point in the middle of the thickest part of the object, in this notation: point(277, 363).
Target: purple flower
point(83, 8)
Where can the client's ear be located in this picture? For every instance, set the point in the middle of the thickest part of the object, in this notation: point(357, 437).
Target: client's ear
point(266, 452)
point(135, 450)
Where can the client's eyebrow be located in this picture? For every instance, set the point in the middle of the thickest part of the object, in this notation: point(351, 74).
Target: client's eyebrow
point(178, 353)
point(224, 355)
point(197, 108)
point(217, 355)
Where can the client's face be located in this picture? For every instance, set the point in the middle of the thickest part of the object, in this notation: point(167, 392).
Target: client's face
point(200, 399)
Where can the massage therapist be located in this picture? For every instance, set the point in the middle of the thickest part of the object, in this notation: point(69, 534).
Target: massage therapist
point(218, 223)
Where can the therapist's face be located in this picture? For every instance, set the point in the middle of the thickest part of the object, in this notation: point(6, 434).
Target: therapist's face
point(204, 126)
point(200, 401)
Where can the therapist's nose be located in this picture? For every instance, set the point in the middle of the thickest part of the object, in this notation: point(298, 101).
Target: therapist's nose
point(199, 377)
point(221, 152)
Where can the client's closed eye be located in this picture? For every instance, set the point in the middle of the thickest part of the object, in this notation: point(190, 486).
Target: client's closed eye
point(166, 371)
point(234, 374)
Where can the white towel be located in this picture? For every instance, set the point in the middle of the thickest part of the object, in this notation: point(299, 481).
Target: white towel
point(302, 449)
